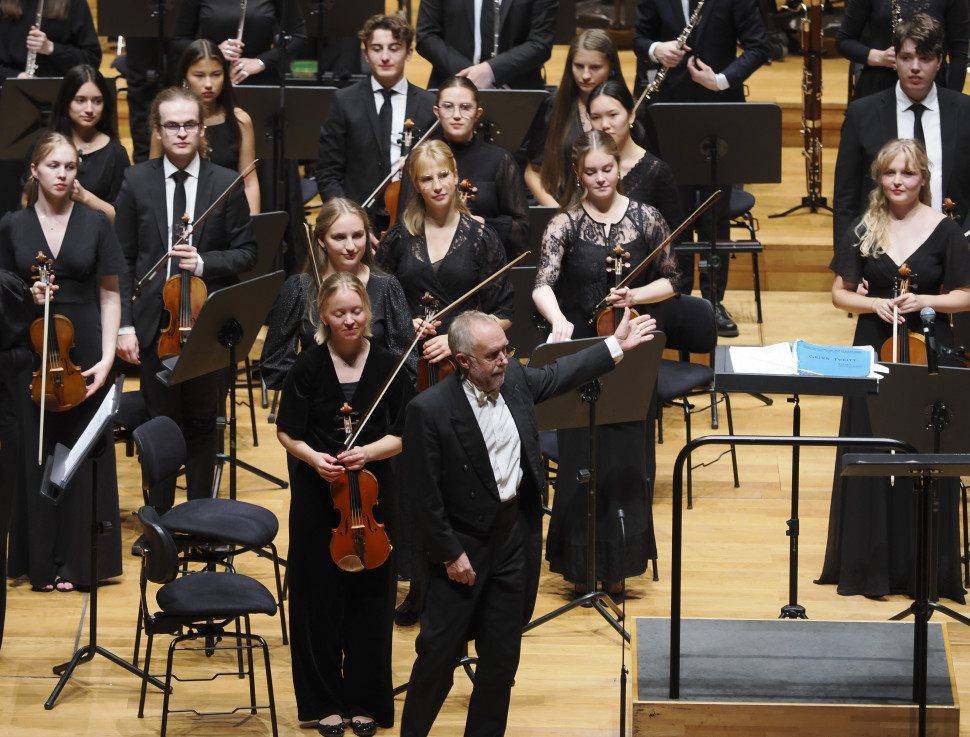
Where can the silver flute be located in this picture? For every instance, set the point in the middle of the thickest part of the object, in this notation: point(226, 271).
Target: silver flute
point(242, 20)
point(31, 68)
point(661, 75)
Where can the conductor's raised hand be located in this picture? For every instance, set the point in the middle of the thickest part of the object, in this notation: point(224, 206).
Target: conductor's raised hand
point(460, 570)
point(631, 333)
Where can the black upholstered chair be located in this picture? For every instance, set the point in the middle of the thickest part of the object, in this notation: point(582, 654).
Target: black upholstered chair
point(195, 606)
point(688, 323)
point(208, 532)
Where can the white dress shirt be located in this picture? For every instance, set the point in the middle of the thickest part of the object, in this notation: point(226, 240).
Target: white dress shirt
point(905, 125)
point(191, 187)
point(501, 439)
point(399, 102)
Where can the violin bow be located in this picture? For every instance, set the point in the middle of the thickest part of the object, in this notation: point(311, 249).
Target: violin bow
point(397, 168)
point(311, 243)
point(45, 275)
point(631, 275)
point(140, 284)
point(349, 442)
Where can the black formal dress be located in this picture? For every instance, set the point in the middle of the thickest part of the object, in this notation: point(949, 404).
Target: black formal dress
point(218, 20)
point(225, 243)
point(459, 510)
point(16, 313)
point(651, 182)
point(872, 532)
point(223, 149)
point(48, 540)
point(500, 197)
point(291, 327)
point(475, 255)
point(526, 32)
point(340, 622)
point(867, 25)
point(101, 171)
point(75, 41)
point(534, 145)
point(573, 263)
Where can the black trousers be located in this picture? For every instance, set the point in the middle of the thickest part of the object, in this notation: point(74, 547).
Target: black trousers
point(193, 404)
point(490, 612)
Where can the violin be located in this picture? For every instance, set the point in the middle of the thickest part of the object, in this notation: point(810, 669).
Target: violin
point(466, 192)
point(903, 346)
point(183, 296)
point(609, 317)
point(429, 373)
point(359, 542)
point(58, 386)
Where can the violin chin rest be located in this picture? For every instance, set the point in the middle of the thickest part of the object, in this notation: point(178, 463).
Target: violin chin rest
point(351, 564)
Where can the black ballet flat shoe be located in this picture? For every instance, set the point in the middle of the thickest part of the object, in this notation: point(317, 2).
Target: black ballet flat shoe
point(363, 729)
point(330, 730)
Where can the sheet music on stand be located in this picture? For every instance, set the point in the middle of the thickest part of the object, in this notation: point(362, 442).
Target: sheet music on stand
point(64, 462)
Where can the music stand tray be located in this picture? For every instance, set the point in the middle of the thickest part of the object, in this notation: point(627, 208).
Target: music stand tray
point(308, 111)
point(25, 111)
point(268, 231)
point(507, 116)
point(137, 19)
point(339, 18)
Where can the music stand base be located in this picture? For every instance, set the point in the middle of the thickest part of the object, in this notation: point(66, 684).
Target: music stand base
point(223, 458)
point(593, 599)
point(85, 654)
point(812, 202)
point(793, 611)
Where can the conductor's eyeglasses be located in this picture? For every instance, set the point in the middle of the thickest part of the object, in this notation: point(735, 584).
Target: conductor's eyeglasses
point(465, 109)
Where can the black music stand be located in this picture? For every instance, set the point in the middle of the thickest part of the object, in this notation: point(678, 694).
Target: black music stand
point(302, 130)
point(58, 472)
point(621, 395)
point(927, 469)
point(712, 145)
point(231, 318)
point(25, 111)
point(507, 115)
point(153, 19)
point(329, 18)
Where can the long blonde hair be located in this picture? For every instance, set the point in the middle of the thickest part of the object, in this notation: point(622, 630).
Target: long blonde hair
point(45, 146)
point(873, 231)
point(429, 154)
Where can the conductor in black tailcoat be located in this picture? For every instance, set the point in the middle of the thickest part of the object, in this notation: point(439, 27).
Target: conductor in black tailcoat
point(457, 42)
point(471, 453)
point(219, 250)
point(358, 145)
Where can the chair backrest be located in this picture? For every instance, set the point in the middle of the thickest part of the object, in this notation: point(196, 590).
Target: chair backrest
point(688, 322)
point(158, 550)
point(161, 452)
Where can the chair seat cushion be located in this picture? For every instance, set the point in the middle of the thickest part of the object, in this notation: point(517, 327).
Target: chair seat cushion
point(678, 378)
point(223, 520)
point(217, 595)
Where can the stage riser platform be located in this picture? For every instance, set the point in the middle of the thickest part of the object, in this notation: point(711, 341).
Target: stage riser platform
point(790, 678)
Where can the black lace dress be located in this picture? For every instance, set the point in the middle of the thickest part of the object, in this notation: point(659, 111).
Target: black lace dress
point(475, 254)
point(871, 535)
point(500, 197)
point(573, 263)
point(651, 182)
point(291, 330)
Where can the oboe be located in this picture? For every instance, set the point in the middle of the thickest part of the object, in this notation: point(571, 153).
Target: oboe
point(811, 30)
point(242, 20)
point(31, 68)
point(658, 80)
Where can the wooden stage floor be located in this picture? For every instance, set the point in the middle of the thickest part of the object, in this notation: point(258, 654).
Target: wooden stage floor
point(736, 566)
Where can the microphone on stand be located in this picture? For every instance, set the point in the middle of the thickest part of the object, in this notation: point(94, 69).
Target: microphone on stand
point(928, 316)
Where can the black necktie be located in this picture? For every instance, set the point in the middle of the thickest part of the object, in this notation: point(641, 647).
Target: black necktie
point(178, 203)
point(386, 116)
point(487, 26)
point(918, 110)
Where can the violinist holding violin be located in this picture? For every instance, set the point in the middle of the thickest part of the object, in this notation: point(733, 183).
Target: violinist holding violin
point(870, 526)
point(340, 620)
point(571, 280)
point(84, 298)
point(155, 197)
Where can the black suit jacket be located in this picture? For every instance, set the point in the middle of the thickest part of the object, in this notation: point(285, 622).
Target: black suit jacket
point(447, 464)
point(724, 25)
point(224, 239)
point(350, 164)
point(869, 124)
point(446, 38)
